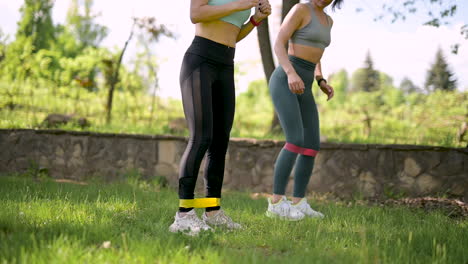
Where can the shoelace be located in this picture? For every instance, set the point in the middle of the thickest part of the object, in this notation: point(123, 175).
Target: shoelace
point(224, 218)
point(284, 209)
point(198, 221)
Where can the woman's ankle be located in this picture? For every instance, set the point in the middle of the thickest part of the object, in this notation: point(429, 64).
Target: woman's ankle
point(296, 200)
point(276, 198)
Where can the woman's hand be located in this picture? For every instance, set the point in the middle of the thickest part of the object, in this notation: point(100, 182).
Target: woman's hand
point(262, 11)
point(295, 83)
point(247, 4)
point(327, 89)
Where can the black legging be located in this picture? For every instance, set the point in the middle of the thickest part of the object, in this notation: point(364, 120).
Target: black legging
point(208, 96)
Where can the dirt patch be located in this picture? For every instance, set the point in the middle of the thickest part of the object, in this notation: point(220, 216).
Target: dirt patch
point(451, 207)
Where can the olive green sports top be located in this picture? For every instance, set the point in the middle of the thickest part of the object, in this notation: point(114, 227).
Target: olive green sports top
point(238, 18)
point(314, 34)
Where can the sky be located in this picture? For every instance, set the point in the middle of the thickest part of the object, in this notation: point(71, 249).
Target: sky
point(402, 49)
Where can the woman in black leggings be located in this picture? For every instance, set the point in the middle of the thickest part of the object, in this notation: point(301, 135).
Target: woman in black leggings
point(208, 95)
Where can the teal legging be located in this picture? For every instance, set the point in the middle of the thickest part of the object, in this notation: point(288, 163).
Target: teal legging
point(299, 119)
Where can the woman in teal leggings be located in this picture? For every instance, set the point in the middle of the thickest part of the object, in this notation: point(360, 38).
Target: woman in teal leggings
point(307, 29)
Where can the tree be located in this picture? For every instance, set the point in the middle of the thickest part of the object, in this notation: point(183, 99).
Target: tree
point(80, 21)
point(366, 79)
point(112, 67)
point(437, 13)
point(339, 81)
point(266, 53)
point(439, 76)
point(407, 86)
point(146, 65)
point(3, 45)
point(36, 23)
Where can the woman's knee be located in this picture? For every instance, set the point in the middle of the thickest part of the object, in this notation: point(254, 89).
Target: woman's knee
point(203, 141)
point(297, 140)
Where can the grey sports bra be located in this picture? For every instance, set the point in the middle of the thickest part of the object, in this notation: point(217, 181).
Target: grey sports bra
point(314, 34)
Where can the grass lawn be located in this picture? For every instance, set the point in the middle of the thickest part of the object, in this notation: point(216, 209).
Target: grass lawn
point(44, 221)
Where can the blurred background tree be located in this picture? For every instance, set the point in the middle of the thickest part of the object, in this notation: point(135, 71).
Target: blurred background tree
point(36, 23)
point(439, 76)
point(82, 25)
point(366, 79)
point(71, 73)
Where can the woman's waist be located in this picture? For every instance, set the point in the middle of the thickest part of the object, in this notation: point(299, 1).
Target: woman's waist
point(310, 54)
point(212, 50)
point(218, 31)
point(302, 66)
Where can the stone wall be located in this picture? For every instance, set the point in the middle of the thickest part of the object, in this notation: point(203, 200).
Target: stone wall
point(344, 170)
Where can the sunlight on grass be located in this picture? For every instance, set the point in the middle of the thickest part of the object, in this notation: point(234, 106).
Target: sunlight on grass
point(128, 222)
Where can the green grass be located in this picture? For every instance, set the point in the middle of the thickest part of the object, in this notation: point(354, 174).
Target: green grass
point(42, 221)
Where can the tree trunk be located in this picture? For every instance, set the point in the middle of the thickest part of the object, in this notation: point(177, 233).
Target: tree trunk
point(267, 54)
point(287, 5)
point(115, 79)
point(367, 123)
point(153, 104)
point(264, 43)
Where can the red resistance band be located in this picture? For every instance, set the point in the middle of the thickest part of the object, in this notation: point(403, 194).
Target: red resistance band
point(300, 150)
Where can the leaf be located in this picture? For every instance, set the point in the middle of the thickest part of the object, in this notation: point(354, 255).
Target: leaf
point(454, 48)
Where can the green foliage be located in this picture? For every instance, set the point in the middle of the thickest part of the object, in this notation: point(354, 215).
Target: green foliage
point(408, 87)
point(391, 96)
point(81, 23)
point(3, 44)
point(81, 70)
point(439, 76)
point(254, 111)
point(18, 60)
point(66, 43)
point(340, 83)
point(36, 23)
point(366, 79)
point(26, 104)
point(383, 117)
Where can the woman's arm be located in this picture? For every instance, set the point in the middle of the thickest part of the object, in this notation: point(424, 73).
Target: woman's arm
point(327, 89)
point(318, 71)
point(200, 11)
point(261, 12)
point(291, 23)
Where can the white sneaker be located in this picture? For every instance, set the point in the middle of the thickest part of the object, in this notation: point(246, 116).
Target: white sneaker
point(189, 224)
point(220, 219)
point(305, 208)
point(283, 210)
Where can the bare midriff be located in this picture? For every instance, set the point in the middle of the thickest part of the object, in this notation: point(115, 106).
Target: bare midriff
point(304, 52)
point(218, 31)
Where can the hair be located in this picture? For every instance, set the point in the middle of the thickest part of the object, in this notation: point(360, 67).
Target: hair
point(337, 4)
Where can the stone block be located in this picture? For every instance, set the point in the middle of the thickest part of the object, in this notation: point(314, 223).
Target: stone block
point(167, 151)
point(451, 164)
point(406, 181)
point(367, 184)
point(427, 184)
point(412, 168)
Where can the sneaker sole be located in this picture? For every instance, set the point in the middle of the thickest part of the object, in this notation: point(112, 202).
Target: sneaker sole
point(188, 231)
point(314, 216)
point(273, 215)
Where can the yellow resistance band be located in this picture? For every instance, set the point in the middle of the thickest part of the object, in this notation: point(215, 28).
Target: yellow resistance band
point(200, 202)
